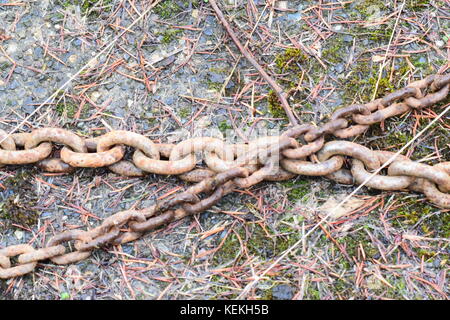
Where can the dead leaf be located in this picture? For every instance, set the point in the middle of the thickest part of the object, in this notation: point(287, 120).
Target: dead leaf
point(331, 207)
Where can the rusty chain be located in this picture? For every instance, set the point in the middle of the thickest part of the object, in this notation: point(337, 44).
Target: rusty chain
point(228, 166)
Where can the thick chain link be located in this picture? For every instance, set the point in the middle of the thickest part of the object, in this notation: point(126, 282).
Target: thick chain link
point(228, 166)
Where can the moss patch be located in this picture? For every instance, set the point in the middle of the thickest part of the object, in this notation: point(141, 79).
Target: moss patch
point(224, 126)
point(257, 242)
point(167, 9)
point(185, 112)
point(19, 200)
point(275, 108)
point(290, 60)
point(433, 223)
point(66, 109)
point(169, 35)
point(87, 6)
point(353, 243)
point(297, 190)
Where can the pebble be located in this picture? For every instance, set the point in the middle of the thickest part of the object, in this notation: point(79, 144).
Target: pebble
point(13, 85)
point(348, 38)
point(339, 68)
point(18, 70)
point(208, 31)
point(18, 234)
point(38, 52)
point(216, 77)
point(46, 214)
point(72, 58)
point(440, 43)
point(95, 96)
point(12, 48)
point(282, 292)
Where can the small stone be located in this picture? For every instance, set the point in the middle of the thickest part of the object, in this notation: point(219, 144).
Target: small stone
point(13, 85)
point(92, 63)
point(282, 292)
point(18, 70)
point(38, 52)
point(338, 27)
point(18, 234)
point(216, 77)
point(95, 96)
point(12, 48)
point(46, 214)
point(209, 31)
point(72, 59)
point(195, 13)
point(440, 43)
point(339, 68)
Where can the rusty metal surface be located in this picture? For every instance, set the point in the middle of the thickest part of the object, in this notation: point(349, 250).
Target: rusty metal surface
point(227, 167)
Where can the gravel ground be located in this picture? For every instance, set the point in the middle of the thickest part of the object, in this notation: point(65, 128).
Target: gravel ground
point(194, 81)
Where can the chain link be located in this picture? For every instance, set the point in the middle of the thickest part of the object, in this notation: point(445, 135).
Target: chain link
point(228, 166)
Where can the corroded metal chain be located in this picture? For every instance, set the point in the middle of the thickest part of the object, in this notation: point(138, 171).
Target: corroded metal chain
point(229, 166)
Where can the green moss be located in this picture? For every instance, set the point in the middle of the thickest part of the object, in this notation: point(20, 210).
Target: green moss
point(212, 85)
point(274, 106)
point(66, 109)
point(342, 289)
point(312, 293)
point(224, 126)
point(20, 200)
point(366, 8)
point(433, 223)
point(382, 34)
point(257, 241)
point(417, 5)
point(169, 35)
point(353, 242)
point(185, 112)
point(385, 86)
point(297, 190)
point(289, 60)
point(167, 9)
point(335, 47)
point(65, 296)
point(87, 5)
point(359, 84)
